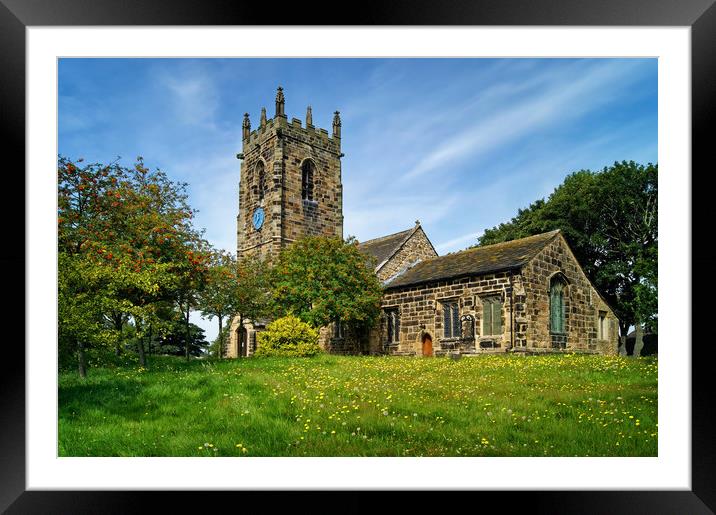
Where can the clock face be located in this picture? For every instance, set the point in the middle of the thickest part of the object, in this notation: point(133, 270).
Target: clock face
point(258, 218)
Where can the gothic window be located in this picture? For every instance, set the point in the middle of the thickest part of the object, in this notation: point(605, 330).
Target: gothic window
point(556, 304)
point(393, 322)
point(307, 180)
point(451, 320)
point(602, 326)
point(261, 175)
point(491, 316)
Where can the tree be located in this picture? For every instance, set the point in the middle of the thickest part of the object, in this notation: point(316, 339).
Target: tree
point(252, 294)
point(219, 297)
point(132, 227)
point(321, 280)
point(173, 338)
point(609, 219)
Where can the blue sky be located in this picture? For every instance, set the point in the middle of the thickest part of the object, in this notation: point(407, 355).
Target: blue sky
point(460, 144)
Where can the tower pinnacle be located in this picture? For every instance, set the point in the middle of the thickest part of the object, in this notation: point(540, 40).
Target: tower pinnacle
point(280, 103)
point(336, 124)
point(246, 127)
point(309, 116)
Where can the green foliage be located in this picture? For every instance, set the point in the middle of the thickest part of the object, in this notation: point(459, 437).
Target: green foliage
point(288, 336)
point(234, 288)
point(321, 279)
point(219, 341)
point(129, 232)
point(609, 219)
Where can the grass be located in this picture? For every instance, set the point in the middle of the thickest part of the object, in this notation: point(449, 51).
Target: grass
point(491, 405)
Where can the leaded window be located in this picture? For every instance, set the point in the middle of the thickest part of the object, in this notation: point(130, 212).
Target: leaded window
point(491, 316)
point(451, 320)
point(393, 325)
point(307, 180)
point(556, 305)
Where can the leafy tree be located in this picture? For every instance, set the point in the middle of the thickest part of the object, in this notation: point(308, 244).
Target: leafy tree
point(609, 219)
point(219, 297)
point(80, 308)
point(321, 280)
point(173, 339)
point(252, 294)
point(132, 227)
point(220, 340)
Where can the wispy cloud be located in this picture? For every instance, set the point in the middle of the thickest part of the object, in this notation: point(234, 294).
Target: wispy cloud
point(561, 101)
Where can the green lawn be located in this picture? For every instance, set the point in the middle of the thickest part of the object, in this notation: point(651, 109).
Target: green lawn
point(570, 405)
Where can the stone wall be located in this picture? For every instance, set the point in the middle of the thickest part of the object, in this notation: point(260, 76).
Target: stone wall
point(415, 249)
point(283, 147)
point(582, 304)
point(421, 311)
point(524, 298)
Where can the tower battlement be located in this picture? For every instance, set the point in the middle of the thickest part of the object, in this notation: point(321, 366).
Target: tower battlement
point(290, 184)
point(310, 134)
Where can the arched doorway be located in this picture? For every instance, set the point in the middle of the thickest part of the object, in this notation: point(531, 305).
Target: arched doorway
point(243, 342)
point(427, 345)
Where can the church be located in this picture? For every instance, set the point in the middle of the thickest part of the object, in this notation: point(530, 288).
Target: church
point(528, 295)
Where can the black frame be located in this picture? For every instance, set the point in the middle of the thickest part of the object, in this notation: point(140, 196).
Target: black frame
point(16, 15)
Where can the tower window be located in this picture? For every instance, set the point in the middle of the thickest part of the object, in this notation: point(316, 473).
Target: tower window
point(307, 180)
point(261, 174)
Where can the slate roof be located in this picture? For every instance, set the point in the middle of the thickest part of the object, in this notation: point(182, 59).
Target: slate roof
point(384, 247)
point(509, 255)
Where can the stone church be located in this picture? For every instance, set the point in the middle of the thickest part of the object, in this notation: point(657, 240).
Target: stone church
point(528, 295)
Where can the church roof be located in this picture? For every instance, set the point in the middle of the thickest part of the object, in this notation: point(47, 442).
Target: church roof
point(508, 255)
point(384, 247)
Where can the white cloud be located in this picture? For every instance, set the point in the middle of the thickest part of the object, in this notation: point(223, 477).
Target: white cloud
point(560, 101)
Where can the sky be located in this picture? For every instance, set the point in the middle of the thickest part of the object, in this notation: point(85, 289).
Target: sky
point(460, 144)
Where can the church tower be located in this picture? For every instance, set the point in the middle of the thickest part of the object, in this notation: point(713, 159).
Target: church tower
point(290, 184)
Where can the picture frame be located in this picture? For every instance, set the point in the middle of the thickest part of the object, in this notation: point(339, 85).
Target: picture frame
point(17, 15)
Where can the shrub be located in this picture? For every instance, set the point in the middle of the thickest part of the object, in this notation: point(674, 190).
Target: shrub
point(288, 336)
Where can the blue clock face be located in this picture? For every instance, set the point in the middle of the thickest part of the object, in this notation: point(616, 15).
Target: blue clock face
point(258, 218)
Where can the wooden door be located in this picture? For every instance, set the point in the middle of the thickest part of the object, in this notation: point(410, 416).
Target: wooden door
point(427, 345)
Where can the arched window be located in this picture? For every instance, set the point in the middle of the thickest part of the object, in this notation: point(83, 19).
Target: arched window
point(307, 180)
point(261, 174)
point(556, 304)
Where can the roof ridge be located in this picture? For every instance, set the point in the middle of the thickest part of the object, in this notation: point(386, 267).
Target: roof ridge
point(529, 245)
point(472, 249)
point(385, 237)
point(553, 232)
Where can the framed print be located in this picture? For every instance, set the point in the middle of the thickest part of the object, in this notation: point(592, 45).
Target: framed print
point(678, 38)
